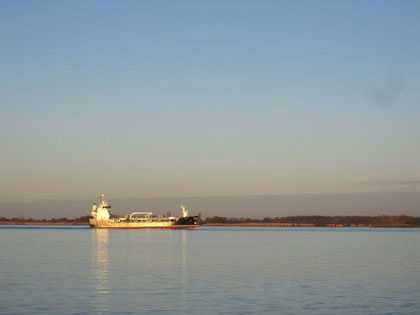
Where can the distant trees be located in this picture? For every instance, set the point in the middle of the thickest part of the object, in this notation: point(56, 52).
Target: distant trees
point(384, 220)
point(82, 219)
point(413, 220)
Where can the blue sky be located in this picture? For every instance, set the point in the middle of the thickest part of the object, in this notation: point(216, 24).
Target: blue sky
point(208, 98)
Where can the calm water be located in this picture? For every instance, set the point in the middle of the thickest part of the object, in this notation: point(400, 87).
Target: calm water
point(212, 270)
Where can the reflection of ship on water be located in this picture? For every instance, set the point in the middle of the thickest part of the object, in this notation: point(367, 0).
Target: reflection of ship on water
point(185, 294)
point(100, 270)
point(143, 268)
point(101, 217)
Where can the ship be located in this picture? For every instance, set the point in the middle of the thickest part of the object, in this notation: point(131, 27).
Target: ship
point(102, 218)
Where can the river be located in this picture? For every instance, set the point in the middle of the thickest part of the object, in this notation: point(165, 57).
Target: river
point(212, 270)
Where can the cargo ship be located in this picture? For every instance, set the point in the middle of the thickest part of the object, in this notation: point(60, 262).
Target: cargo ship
point(101, 217)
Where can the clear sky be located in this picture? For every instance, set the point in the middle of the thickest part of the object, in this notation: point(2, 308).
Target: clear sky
point(141, 99)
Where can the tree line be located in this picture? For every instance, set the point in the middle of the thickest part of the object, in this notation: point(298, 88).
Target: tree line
point(319, 220)
point(82, 219)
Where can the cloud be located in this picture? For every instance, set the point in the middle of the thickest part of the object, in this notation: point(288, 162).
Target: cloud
point(393, 184)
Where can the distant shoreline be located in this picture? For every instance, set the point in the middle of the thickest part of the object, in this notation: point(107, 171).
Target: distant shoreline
point(41, 223)
point(228, 224)
point(396, 221)
point(307, 225)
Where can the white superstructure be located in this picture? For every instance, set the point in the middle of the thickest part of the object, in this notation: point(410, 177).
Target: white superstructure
point(103, 211)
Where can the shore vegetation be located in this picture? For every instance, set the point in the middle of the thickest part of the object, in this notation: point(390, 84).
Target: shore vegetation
point(317, 220)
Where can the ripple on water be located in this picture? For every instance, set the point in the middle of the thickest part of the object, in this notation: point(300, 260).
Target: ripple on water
point(211, 270)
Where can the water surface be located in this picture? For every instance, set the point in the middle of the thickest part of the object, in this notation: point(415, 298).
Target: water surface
point(223, 270)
